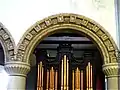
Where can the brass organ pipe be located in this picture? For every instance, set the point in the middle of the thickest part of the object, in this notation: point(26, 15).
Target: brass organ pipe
point(52, 79)
point(62, 75)
point(42, 78)
point(38, 78)
point(47, 85)
point(73, 78)
point(81, 79)
point(89, 74)
point(40, 70)
point(56, 79)
point(77, 81)
point(65, 72)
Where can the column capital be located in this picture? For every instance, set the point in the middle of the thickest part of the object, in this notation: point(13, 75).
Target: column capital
point(17, 68)
point(111, 69)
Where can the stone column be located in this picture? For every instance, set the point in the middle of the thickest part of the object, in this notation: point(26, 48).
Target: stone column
point(111, 71)
point(17, 75)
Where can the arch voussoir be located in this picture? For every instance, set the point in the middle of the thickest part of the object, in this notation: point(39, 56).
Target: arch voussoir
point(7, 43)
point(78, 23)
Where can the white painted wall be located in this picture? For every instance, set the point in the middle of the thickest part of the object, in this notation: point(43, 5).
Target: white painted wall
point(19, 15)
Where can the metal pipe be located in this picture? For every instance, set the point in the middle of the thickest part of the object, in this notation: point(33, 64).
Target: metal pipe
point(73, 78)
point(56, 79)
point(47, 85)
point(65, 87)
point(67, 75)
point(81, 79)
point(62, 75)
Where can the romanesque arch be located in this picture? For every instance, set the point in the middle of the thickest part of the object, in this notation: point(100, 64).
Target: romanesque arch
point(75, 22)
point(7, 43)
point(19, 68)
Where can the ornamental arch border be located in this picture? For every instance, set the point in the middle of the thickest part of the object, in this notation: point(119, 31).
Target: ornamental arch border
point(8, 44)
point(57, 23)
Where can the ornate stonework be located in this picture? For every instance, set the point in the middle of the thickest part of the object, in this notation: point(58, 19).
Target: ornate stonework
point(111, 70)
point(8, 43)
point(58, 23)
point(17, 68)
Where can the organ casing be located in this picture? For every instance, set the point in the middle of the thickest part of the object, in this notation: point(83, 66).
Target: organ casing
point(65, 72)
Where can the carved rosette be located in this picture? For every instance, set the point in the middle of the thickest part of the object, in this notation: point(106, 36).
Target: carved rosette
point(111, 69)
point(17, 68)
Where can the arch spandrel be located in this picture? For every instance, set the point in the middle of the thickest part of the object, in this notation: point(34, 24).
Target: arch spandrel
point(7, 43)
point(75, 22)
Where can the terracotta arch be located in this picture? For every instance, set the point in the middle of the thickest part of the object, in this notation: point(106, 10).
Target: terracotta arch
point(7, 43)
point(57, 23)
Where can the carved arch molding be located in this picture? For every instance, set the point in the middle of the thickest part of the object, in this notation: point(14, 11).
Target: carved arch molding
point(7, 43)
point(73, 22)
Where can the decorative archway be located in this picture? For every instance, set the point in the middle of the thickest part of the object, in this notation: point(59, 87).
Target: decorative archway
point(58, 22)
point(7, 43)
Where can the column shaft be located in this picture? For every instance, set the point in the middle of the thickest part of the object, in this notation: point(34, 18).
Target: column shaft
point(16, 83)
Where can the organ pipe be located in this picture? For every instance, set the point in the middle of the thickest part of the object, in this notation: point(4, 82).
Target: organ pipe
point(52, 79)
point(38, 78)
point(56, 79)
point(87, 78)
point(62, 75)
point(65, 72)
point(91, 77)
point(77, 81)
point(42, 79)
point(81, 79)
point(73, 78)
point(39, 83)
point(47, 85)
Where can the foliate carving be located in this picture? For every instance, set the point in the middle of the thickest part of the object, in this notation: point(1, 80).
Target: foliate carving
point(17, 68)
point(92, 29)
point(7, 42)
point(111, 69)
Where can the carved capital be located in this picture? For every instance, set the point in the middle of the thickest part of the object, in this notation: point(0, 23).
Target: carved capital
point(111, 69)
point(17, 68)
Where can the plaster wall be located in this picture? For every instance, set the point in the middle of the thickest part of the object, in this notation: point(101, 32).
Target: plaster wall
point(19, 15)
